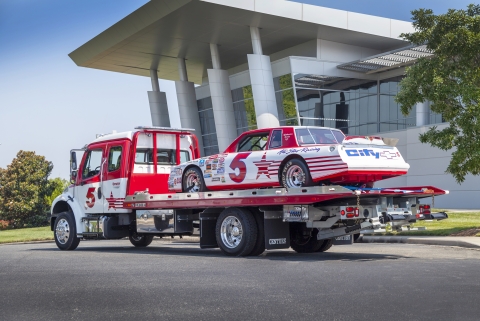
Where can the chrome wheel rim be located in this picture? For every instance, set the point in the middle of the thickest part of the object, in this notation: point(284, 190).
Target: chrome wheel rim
point(62, 231)
point(295, 176)
point(231, 232)
point(192, 182)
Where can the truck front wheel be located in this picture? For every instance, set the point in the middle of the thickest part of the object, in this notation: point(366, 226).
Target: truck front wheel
point(140, 240)
point(236, 232)
point(65, 232)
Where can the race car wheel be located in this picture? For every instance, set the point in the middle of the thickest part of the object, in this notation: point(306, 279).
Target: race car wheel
point(295, 174)
point(65, 231)
point(193, 181)
point(140, 240)
point(236, 231)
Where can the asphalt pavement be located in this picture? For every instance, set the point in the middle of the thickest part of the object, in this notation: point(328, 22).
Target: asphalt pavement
point(112, 280)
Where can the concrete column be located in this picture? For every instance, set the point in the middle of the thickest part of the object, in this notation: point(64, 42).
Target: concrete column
point(261, 78)
point(422, 114)
point(222, 104)
point(158, 103)
point(187, 103)
point(256, 41)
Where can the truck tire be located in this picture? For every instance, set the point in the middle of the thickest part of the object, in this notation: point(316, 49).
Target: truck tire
point(193, 181)
point(302, 243)
point(356, 237)
point(236, 231)
point(65, 232)
point(140, 240)
point(295, 174)
point(259, 247)
point(326, 245)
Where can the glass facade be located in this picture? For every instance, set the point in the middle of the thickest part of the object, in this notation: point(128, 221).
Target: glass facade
point(356, 106)
point(244, 108)
point(207, 123)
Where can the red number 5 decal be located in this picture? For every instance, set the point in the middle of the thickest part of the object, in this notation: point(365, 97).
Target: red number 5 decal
point(238, 163)
point(90, 197)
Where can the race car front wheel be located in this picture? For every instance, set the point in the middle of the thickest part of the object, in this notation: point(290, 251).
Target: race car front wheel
point(295, 174)
point(193, 181)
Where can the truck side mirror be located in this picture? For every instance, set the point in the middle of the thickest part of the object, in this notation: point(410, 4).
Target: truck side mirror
point(73, 177)
point(73, 161)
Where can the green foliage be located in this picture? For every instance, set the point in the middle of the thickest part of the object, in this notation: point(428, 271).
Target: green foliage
point(24, 189)
point(451, 81)
point(58, 185)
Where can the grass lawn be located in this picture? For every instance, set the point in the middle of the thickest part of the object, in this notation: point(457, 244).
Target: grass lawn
point(26, 234)
point(455, 223)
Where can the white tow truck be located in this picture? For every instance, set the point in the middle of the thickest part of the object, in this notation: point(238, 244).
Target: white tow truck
point(120, 190)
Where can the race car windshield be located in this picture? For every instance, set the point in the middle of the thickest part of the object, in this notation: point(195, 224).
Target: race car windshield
point(308, 136)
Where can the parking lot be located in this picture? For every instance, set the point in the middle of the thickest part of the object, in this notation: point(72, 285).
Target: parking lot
point(111, 280)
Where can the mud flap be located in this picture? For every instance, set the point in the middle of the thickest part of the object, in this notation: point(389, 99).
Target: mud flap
point(208, 222)
point(277, 232)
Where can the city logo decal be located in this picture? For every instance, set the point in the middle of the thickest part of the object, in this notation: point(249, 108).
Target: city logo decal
point(362, 152)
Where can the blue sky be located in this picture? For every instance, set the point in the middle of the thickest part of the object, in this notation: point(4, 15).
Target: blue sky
point(49, 105)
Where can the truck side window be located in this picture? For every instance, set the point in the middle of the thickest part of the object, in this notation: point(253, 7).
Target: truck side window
point(92, 165)
point(114, 158)
point(184, 156)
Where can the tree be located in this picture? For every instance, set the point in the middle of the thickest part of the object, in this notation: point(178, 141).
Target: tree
point(24, 188)
point(450, 80)
point(58, 185)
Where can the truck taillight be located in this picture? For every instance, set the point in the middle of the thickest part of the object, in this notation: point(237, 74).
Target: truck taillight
point(342, 212)
point(357, 212)
point(351, 212)
point(349, 209)
point(424, 209)
point(350, 215)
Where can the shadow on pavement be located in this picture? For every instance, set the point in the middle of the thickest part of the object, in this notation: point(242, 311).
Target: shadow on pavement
point(173, 249)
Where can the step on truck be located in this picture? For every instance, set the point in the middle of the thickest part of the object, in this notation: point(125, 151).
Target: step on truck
point(120, 190)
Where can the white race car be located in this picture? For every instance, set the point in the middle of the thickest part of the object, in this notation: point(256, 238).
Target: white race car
point(293, 156)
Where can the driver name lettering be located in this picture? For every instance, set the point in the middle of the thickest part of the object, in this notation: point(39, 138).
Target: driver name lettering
point(300, 150)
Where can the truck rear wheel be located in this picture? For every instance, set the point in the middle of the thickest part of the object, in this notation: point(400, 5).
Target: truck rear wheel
point(140, 240)
point(236, 231)
point(259, 247)
point(302, 240)
point(65, 231)
point(326, 245)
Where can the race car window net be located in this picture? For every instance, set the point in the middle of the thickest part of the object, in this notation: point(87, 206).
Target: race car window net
point(308, 136)
point(164, 156)
point(253, 143)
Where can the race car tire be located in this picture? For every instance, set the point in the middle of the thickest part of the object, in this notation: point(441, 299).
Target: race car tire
point(65, 232)
point(295, 174)
point(140, 240)
point(236, 231)
point(193, 181)
point(326, 245)
point(301, 243)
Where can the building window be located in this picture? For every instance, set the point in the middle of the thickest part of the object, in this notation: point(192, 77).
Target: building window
point(391, 117)
point(244, 108)
point(285, 97)
point(207, 124)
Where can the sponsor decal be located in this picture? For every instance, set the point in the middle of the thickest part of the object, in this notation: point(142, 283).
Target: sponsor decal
point(207, 175)
point(201, 162)
point(220, 170)
point(221, 160)
point(175, 181)
point(179, 172)
point(298, 150)
point(214, 167)
point(215, 161)
point(362, 153)
point(208, 166)
point(208, 162)
point(207, 171)
point(116, 184)
point(216, 179)
point(223, 179)
point(389, 155)
point(277, 241)
point(286, 137)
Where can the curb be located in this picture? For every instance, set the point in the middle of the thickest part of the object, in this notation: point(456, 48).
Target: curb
point(28, 242)
point(418, 240)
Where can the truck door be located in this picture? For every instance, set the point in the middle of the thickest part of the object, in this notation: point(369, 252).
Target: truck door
point(114, 187)
point(89, 179)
